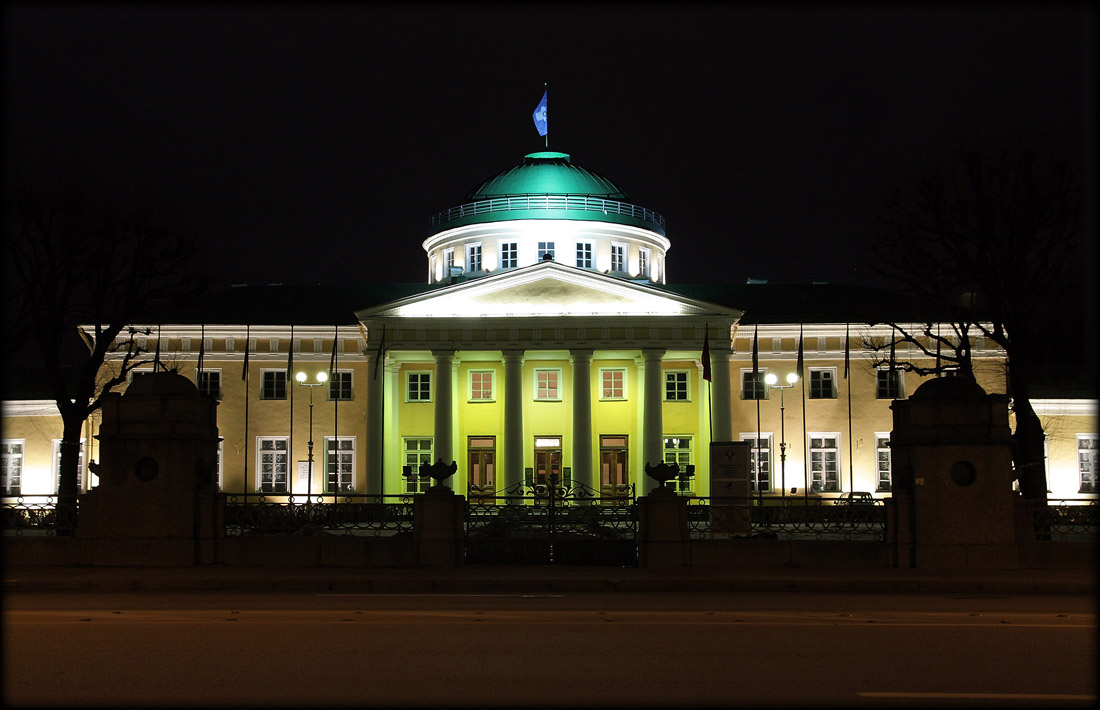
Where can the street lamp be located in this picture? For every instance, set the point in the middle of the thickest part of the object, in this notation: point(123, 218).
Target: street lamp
point(771, 379)
point(301, 377)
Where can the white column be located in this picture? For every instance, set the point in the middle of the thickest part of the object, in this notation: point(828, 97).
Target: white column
point(375, 418)
point(653, 445)
point(582, 417)
point(512, 472)
point(443, 420)
point(720, 402)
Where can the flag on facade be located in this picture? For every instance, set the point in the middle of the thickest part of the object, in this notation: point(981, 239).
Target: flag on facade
point(290, 357)
point(800, 363)
point(893, 341)
point(381, 351)
point(755, 361)
point(541, 122)
point(202, 346)
point(156, 355)
point(332, 358)
point(706, 352)
point(846, 355)
point(247, 340)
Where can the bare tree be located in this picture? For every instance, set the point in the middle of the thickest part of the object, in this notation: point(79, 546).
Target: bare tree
point(84, 266)
point(984, 244)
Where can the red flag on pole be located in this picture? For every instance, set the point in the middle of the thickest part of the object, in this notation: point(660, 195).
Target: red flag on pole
point(706, 352)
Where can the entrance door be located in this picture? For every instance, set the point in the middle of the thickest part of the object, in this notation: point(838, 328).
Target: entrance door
point(482, 465)
point(614, 474)
point(547, 464)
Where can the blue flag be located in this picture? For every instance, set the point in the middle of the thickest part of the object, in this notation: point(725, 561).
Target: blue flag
point(540, 116)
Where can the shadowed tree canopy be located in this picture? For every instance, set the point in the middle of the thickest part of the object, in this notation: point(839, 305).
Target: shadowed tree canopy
point(990, 244)
point(83, 264)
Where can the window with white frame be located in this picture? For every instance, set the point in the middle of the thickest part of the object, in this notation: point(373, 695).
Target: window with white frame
point(643, 262)
point(481, 386)
point(273, 384)
point(548, 384)
point(509, 255)
point(448, 261)
point(612, 383)
point(546, 251)
point(825, 462)
point(754, 388)
point(340, 464)
point(210, 383)
point(272, 458)
point(473, 257)
point(882, 459)
point(618, 257)
point(11, 466)
point(417, 453)
point(678, 451)
point(135, 374)
point(822, 383)
point(57, 465)
point(889, 384)
point(339, 386)
point(760, 461)
point(584, 255)
point(418, 386)
point(676, 386)
point(1086, 462)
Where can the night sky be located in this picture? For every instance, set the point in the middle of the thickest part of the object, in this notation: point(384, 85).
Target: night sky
point(311, 143)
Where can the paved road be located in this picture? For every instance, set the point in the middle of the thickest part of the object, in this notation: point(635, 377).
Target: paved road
point(327, 648)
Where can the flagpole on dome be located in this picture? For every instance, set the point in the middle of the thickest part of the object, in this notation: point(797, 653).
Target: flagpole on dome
point(542, 125)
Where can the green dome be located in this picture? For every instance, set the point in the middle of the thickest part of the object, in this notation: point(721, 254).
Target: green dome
point(548, 186)
point(547, 173)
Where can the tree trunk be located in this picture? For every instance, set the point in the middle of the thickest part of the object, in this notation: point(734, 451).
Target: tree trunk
point(69, 466)
point(1030, 451)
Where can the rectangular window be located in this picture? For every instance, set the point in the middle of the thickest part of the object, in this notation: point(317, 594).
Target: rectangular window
point(11, 466)
point(481, 385)
point(823, 383)
point(419, 386)
point(509, 255)
point(1086, 461)
point(754, 389)
point(210, 384)
point(448, 262)
point(643, 263)
point(273, 385)
point(882, 457)
point(57, 466)
point(548, 385)
point(340, 464)
point(339, 387)
point(418, 452)
point(760, 461)
point(612, 383)
point(618, 257)
point(824, 462)
point(271, 454)
point(676, 386)
point(473, 258)
point(134, 374)
point(889, 384)
point(584, 255)
point(678, 451)
point(546, 251)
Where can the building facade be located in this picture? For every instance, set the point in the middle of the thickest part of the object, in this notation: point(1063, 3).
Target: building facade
point(545, 341)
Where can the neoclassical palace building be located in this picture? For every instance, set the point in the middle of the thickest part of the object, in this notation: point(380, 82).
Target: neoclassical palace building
point(546, 339)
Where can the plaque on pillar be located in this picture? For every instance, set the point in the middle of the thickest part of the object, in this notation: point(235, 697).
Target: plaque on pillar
point(729, 487)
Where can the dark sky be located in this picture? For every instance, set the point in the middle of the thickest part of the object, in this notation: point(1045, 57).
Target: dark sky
point(305, 142)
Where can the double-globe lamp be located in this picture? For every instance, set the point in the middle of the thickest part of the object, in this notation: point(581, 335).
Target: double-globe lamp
point(321, 378)
point(770, 379)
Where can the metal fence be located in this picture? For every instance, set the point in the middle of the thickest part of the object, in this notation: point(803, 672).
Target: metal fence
point(726, 517)
point(1065, 520)
point(263, 514)
point(32, 515)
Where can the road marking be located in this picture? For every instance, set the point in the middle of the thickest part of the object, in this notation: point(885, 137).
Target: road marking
point(380, 594)
point(982, 696)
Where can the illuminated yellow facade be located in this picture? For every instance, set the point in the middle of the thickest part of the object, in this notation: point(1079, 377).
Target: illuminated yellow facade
point(546, 340)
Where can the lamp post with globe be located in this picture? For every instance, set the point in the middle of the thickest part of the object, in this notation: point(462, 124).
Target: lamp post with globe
point(321, 378)
point(771, 381)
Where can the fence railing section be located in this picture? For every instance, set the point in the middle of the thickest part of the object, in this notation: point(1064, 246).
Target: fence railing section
point(727, 517)
point(583, 203)
point(32, 515)
point(1066, 519)
point(255, 514)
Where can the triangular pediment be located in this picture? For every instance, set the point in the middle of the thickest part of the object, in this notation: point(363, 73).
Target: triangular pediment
point(545, 289)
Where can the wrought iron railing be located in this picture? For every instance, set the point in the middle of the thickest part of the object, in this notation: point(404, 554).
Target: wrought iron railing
point(342, 514)
point(584, 203)
point(32, 515)
point(744, 517)
point(1065, 520)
